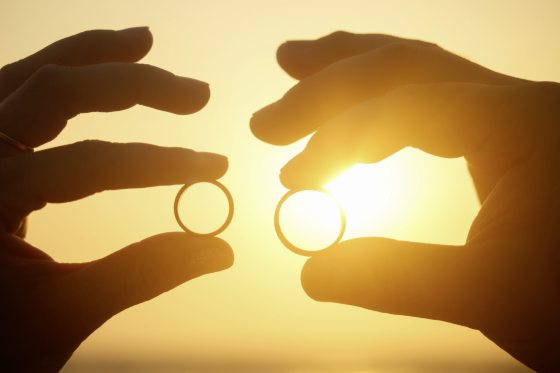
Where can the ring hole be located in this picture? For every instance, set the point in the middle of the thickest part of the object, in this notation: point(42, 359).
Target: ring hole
point(203, 208)
point(310, 219)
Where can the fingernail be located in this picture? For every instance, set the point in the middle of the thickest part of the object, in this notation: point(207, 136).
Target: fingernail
point(222, 257)
point(134, 32)
point(216, 165)
point(286, 174)
point(263, 113)
point(196, 84)
point(192, 95)
point(300, 172)
point(266, 124)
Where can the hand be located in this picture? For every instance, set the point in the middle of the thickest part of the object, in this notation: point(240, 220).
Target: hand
point(368, 96)
point(49, 308)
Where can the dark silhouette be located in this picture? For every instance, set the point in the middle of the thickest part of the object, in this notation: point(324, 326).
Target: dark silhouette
point(368, 96)
point(48, 308)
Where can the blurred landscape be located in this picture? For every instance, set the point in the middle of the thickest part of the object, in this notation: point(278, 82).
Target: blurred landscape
point(84, 366)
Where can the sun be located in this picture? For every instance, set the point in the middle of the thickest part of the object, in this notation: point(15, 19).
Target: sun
point(373, 197)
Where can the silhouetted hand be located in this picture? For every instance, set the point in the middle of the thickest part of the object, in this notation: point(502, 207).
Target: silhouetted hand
point(48, 308)
point(368, 96)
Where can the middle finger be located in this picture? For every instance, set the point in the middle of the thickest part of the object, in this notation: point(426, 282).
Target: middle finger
point(345, 83)
point(38, 111)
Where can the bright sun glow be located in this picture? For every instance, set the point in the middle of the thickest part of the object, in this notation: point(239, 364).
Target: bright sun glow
point(372, 196)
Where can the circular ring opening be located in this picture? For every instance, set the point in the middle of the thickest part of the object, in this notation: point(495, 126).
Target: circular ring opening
point(222, 227)
point(283, 237)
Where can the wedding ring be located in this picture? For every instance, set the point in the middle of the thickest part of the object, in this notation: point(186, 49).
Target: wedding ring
point(283, 237)
point(215, 232)
point(15, 143)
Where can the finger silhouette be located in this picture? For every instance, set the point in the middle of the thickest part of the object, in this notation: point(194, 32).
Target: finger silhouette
point(405, 278)
point(86, 48)
point(302, 58)
point(58, 93)
point(98, 290)
point(78, 170)
point(146, 269)
point(481, 122)
point(336, 88)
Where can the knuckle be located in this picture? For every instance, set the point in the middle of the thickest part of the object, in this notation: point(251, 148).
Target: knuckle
point(47, 73)
point(339, 35)
point(405, 56)
point(8, 76)
point(89, 35)
point(90, 148)
point(46, 80)
point(89, 144)
point(139, 282)
point(401, 95)
point(18, 197)
point(543, 98)
point(95, 153)
point(409, 51)
point(12, 173)
point(78, 42)
point(412, 92)
point(400, 50)
point(85, 45)
point(547, 90)
point(8, 174)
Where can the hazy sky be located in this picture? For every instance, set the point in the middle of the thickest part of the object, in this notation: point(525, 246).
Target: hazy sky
point(257, 310)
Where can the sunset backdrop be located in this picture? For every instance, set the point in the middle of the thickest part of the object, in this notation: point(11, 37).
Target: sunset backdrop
point(256, 314)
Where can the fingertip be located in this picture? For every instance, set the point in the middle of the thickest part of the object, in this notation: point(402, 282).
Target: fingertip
point(297, 174)
point(212, 165)
point(303, 58)
point(139, 40)
point(294, 178)
point(222, 253)
point(288, 55)
point(339, 274)
point(194, 95)
point(204, 254)
point(267, 125)
point(260, 123)
point(316, 279)
point(187, 255)
point(311, 168)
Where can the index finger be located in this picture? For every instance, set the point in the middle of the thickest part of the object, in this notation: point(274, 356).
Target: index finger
point(302, 58)
point(345, 83)
point(78, 170)
point(85, 48)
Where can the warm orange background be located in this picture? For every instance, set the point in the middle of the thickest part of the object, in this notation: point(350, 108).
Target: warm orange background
point(257, 313)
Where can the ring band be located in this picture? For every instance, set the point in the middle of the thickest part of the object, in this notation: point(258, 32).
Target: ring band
point(215, 232)
point(283, 237)
point(15, 143)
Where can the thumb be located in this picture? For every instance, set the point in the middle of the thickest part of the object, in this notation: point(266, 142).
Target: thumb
point(139, 273)
point(405, 278)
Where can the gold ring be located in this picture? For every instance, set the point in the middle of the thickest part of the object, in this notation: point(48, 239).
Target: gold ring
point(222, 227)
point(15, 143)
point(283, 237)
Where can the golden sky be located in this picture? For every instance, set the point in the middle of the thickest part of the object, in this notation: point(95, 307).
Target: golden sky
point(257, 310)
